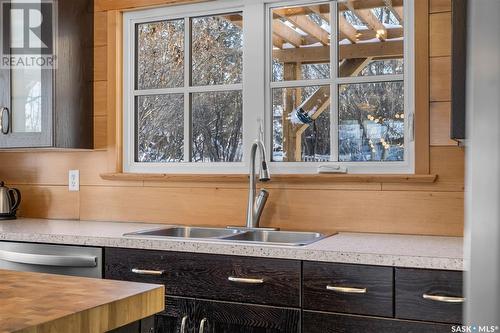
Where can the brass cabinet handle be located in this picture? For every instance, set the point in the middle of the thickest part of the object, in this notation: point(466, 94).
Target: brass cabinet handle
point(245, 280)
point(444, 299)
point(5, 120)
point(146, 272)
point(183, 324)
point(347, 290)
point(203, 323)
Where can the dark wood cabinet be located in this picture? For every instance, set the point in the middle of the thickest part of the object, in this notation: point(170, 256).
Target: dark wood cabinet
point(321, 322)
point(52, 107)
point(345, 288)
point(231, 294)
point(429, 295)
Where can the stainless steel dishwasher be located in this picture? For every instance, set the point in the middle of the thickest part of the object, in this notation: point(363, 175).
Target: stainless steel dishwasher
point(54, 259)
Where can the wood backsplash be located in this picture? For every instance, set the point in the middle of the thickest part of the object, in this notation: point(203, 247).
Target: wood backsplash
point(431, 209)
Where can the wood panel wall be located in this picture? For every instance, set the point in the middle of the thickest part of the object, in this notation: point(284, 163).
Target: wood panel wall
point(418, 208)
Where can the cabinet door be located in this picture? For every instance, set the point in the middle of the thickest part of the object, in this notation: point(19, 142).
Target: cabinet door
point(178, 316)
point(25, 108)
point(225, 317)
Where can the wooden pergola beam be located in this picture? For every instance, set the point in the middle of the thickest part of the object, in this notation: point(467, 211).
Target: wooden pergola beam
point(391, 48)
point(278, 42)
point(304, 23)
point(368, 4)
point(321, 54)
point(287, 34)
point(368, 18)
point(352, 67)
point(396, 11)
point(316, 9)
point(366, 34)
point(324, 9)
point(347, 30)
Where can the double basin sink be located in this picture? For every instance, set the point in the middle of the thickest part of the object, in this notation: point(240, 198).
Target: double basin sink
point(255, 236)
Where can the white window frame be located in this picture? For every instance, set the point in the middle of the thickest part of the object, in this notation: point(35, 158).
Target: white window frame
point(256, 87)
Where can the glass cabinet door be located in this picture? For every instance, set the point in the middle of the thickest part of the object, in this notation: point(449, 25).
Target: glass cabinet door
point(26, 90)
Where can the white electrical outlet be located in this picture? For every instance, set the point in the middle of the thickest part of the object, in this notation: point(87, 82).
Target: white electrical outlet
point(74, 180)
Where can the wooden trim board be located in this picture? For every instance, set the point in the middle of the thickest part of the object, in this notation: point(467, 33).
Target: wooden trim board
point(315, 178)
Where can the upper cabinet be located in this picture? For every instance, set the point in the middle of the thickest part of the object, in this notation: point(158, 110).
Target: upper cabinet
point(46, 74)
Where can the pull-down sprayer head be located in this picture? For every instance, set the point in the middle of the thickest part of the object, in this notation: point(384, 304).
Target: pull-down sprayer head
point(264, 174)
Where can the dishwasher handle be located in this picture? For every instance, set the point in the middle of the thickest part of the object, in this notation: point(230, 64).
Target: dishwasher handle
point(48, 259)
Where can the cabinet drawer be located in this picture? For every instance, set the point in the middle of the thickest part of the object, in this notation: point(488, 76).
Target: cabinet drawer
point(230, 317)
point(238, 279)
point(419, 295)
point(348, 288)
point(320, 322)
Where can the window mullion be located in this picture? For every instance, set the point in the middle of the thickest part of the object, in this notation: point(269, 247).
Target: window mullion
point(334, 87)
point(187, 84)
point(253, 95)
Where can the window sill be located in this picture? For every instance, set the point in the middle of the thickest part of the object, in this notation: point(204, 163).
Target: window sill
point(277, 178)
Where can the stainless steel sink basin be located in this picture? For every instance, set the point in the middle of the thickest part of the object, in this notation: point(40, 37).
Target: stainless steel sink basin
point(294, 238)
point(187, 232)
point(271, 237)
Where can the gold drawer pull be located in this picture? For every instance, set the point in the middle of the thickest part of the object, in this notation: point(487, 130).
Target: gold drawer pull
point(146, 272)
point(245, 280)
point(444, 299)
point(347, 290)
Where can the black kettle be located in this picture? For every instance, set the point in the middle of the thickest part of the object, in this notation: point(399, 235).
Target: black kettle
point(10, 198)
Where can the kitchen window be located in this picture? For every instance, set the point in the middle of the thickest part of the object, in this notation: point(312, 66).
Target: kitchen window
point(203, 81)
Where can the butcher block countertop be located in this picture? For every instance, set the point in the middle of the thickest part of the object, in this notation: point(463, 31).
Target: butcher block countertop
point(40, 303)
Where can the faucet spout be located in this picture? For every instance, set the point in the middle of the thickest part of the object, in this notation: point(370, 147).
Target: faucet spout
point(256, 204)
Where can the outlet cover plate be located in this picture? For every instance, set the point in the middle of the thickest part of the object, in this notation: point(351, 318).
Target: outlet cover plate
point(74, 181)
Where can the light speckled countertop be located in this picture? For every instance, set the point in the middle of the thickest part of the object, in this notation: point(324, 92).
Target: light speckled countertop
point(356, 248)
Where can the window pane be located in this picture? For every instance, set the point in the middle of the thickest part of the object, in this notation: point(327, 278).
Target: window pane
point(371, 122)
point(300, 41)
point(370, 39)
point(217, 126)
point(301, 124)
point(160, 54)
point(160, 128)
point(217, 49)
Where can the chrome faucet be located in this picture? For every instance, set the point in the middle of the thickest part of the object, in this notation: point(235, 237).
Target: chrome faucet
point(256, 203)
